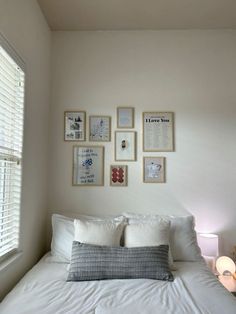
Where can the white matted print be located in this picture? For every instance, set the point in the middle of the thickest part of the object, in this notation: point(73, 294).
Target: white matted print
point(125, 117)
point(118, 175)
point(158, 131)
point(74, 125)
point(125, 145)
point(154, 169)
point(88, 165)
point(100, 128)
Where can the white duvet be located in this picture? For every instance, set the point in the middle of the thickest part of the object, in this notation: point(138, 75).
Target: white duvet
point(44, 290)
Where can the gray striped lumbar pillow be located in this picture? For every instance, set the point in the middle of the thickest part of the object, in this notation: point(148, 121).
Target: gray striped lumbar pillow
point(92, 262)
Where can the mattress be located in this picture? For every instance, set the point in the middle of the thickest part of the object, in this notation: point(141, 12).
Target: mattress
point(44, 290)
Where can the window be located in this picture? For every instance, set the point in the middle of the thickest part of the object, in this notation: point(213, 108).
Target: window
point(12, 81)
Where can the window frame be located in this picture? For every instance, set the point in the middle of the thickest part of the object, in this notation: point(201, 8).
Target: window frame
point(11, 51)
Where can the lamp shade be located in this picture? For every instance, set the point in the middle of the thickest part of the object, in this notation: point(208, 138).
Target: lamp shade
point(208, 243)
point(225, 265)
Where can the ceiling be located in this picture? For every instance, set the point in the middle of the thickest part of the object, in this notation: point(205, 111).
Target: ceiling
point(71, 15)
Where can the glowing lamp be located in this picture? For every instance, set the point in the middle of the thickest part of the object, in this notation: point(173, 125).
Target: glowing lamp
point(208, 243)
point(225, 266)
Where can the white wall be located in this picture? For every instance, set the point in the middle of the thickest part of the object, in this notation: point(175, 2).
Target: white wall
point(22, 23)
point(191, 73)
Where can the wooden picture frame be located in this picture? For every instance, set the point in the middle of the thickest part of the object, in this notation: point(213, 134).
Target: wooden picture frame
point(158, 131)
point(99, 128)
point(88, 165)
point(125, 145)
point(118, 175)
point(125, 117)
point(153, 169)
point(74, 126)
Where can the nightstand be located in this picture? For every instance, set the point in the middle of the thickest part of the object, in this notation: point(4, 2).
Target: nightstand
point(229, 283)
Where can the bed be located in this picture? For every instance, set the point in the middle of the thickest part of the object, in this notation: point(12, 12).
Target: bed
point(45, 289)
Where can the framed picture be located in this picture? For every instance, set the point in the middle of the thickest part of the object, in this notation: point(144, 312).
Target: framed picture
point(125, 145)
point(74, 125)
point(100, 128)
point(158, 132)
point(154, 169)
point(88, 165)
point(118, 175)
point(125, 117)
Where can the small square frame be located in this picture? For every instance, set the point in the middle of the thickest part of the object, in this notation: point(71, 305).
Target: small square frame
point(99, 128)
point(125, 117)
point(118, 175)
point(154, 169)
point(74, 126)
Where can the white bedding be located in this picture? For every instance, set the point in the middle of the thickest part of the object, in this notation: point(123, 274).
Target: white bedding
point(44, 290)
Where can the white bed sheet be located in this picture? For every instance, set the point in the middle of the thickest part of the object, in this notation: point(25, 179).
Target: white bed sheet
point(44, 290)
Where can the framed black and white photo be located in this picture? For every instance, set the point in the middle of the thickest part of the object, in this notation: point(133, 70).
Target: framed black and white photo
point(125, 117)
point(158, 131)
point(125, 145)
point(153, 169)
point(88, 165)
point(118, 175)
point(100, 128)
point(74, 125)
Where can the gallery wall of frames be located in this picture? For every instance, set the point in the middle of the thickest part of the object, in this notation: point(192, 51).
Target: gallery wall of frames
point(88, 149)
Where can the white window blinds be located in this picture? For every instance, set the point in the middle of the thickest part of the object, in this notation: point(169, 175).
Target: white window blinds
point(12, 80)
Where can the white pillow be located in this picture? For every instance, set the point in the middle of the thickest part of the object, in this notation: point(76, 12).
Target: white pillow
point(151, 233)
point(183, 240)
point(148, 233)
point(63, 235)
point(106, 233)
point(62, 238)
